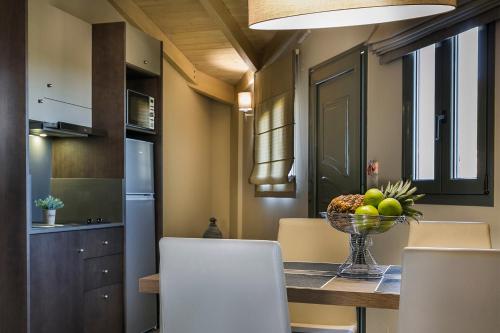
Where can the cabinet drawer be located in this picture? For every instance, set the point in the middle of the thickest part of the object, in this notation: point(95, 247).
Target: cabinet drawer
point(103, 271)
point(143, 51)
point(102, 242)
point(103, 309)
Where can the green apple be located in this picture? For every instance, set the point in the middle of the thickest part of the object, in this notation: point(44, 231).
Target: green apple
point(366, 210)
point(390, 207)
point(373, 197)
point(364, 225)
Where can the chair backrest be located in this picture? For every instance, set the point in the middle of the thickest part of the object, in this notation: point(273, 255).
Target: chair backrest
point(312, 240)
point(222, 286)
point(466, 235)
point(450, 291)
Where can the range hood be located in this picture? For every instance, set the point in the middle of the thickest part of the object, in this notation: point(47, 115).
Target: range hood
point(63, 130)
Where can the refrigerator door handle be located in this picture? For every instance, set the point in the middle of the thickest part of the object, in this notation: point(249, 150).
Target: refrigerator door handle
point(140, 197)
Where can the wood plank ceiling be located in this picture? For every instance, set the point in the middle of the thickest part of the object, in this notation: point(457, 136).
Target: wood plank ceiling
point(190, 27)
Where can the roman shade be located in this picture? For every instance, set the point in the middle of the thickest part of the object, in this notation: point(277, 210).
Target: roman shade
point(274, 126)
point(469, 14)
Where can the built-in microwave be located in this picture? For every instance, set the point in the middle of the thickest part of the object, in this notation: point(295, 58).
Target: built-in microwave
point(140, 111)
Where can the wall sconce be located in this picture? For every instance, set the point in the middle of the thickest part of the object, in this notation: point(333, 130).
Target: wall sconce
point(245, 102)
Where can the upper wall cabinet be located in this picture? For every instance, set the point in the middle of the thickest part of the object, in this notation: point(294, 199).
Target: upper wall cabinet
point(143, 51)
point(59, 65)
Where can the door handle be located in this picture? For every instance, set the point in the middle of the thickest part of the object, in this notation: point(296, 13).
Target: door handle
point(324, 179)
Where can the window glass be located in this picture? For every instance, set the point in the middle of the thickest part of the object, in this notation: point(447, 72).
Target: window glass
point(424, 116)
point(465, 109)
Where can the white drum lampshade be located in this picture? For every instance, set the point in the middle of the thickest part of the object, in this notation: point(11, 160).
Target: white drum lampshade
point(245, 101)
point(311, 14)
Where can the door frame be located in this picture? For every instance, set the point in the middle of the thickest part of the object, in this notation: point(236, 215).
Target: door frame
point(313, 122)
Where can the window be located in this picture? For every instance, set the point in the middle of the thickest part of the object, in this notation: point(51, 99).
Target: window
point(274, 157)
point(448, 118)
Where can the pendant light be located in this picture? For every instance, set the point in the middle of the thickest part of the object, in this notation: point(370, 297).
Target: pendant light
point(311, 14)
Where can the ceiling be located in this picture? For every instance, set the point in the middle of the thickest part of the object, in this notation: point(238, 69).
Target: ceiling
point(190, 27)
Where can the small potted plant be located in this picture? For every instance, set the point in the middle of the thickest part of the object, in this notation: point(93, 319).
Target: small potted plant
point(49, 206)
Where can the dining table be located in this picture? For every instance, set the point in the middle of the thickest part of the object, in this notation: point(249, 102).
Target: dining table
point(318, 283)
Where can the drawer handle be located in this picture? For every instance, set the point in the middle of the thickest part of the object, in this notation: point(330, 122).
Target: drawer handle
point(105, 296)
point(81, 250)
point(105, 271)
point(146, 62)
point(105, 242)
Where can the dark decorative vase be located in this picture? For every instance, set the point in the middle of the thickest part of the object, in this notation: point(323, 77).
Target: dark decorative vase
point(212, 231)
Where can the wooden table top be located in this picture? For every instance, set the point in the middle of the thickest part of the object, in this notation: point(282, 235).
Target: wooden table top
point(336, 291)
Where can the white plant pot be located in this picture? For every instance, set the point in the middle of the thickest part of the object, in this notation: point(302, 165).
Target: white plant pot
point(49, 216)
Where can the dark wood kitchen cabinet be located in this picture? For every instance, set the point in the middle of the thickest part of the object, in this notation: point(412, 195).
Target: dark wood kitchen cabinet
point(103, 310)
point(56, 282)
point(76, 281)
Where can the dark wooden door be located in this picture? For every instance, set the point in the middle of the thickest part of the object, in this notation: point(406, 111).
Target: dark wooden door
point(56, 283)
point(337, 128)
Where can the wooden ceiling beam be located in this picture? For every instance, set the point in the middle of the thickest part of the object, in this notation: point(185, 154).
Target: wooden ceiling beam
point(198, 81)
point(283, 41)
point(245, 82)
point(213, 88)
point(231, 29)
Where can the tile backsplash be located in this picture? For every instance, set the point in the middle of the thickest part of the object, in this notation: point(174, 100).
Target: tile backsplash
point(89, 198)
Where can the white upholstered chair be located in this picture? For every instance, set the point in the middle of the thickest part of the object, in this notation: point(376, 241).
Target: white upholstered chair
point(312, 240)
point(450, 291)
point(473, 235)
point(222, 286)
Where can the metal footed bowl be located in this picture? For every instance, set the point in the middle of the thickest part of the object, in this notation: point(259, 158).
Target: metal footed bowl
point(360, 264)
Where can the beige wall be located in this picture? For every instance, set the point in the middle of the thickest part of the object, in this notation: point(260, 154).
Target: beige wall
point(92, 11)
point(220, 128)
point(379, 147)
point(260, 216)
point(195, 160)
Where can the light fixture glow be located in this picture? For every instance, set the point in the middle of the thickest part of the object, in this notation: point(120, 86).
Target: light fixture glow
point(43, 135)
point(245, 101)
point(300, 14)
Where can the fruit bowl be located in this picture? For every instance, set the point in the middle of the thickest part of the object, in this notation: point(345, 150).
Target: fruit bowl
point(375, 212)
point(362, 224)
point(360, 264)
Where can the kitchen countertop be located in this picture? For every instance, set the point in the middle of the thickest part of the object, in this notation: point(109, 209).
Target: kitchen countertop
point(43, 229)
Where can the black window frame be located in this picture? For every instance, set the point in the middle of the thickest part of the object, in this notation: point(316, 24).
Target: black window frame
point(443, 189)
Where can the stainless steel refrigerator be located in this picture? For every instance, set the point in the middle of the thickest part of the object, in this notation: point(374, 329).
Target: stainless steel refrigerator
point(140, 239)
